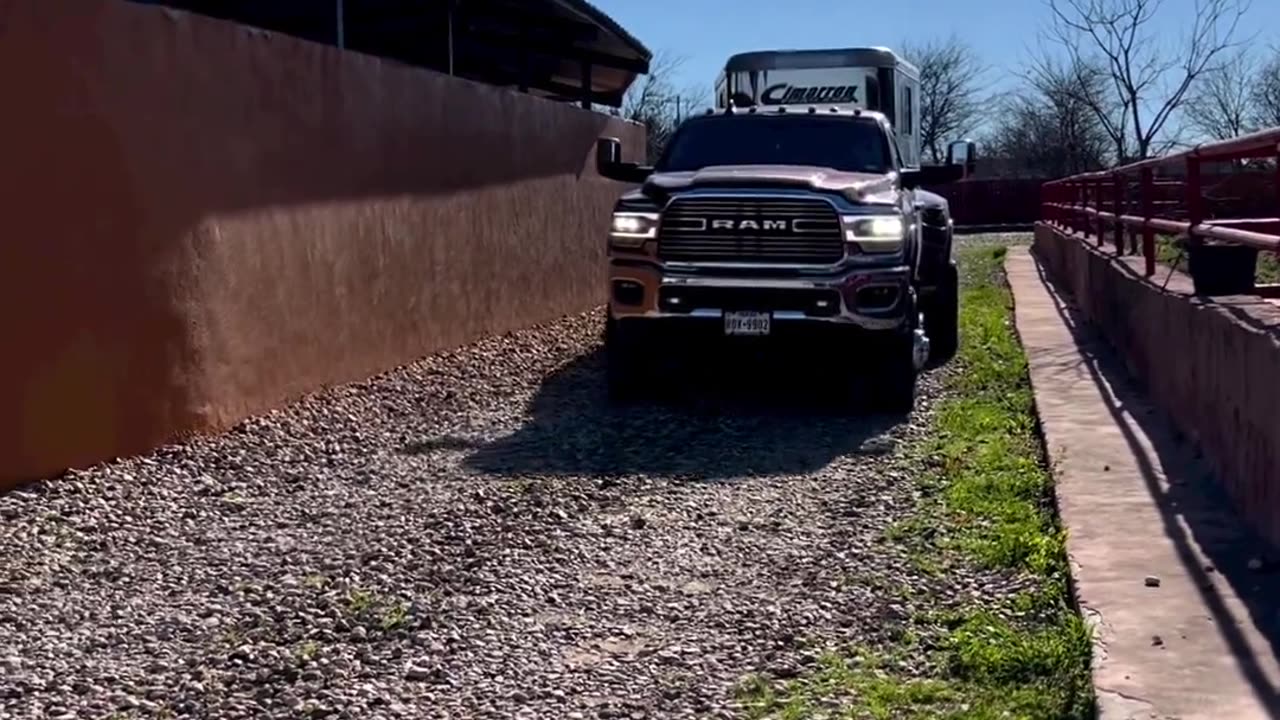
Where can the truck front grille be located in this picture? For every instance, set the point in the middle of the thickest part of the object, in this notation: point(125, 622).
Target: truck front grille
point(776, 231)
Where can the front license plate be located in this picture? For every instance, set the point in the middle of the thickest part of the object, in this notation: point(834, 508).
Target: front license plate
point(746, 323)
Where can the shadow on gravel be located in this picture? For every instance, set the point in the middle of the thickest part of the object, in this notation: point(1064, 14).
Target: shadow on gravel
point(709, 424)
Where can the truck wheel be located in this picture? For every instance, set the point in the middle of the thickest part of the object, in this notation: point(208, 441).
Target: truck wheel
point(893, 383)
point(942, 316)
point(625, 371)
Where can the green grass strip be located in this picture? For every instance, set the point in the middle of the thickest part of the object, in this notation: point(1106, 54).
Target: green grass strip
point(990, 505)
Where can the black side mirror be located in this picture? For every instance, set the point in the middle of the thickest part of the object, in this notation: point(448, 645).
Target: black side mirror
point(608, 152)
point(965, 154)
point(609, 163)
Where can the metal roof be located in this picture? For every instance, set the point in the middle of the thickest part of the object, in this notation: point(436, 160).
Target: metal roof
point(816, 58)
point(565, 49)
point(793, 110)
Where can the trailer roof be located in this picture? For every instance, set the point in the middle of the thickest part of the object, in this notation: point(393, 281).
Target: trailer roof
point(816, 58)
point(789, 110)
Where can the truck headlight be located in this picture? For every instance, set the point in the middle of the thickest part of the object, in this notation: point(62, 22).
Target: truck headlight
point(632, 229)
point(874, 233)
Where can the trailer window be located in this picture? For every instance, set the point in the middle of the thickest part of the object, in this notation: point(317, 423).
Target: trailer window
point(908, 111)
point(843, 143)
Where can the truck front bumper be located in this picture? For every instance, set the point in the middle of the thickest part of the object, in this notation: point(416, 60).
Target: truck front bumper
point(867, 298)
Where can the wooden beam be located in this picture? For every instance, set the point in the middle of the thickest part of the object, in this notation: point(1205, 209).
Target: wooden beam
point(564, 52)
point(504, 75)
point(560, 37)
point(533, 13)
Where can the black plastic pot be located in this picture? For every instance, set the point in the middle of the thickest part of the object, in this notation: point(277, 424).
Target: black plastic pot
point(1222, 269)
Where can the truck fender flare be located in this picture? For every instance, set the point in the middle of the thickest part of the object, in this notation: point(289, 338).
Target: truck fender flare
point(936, 233)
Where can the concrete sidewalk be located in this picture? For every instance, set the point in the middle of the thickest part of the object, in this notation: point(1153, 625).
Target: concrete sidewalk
point(1186, 614)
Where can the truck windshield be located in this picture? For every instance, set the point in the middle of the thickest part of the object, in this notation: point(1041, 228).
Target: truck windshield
point(844, 143)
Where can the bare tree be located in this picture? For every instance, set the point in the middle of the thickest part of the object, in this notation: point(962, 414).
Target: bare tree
point(658, 103)
point(1150, 79)
point(951, 83)
point(1044, 129)
point(1220, 104)
point(1265, 96)
point(1087, 81)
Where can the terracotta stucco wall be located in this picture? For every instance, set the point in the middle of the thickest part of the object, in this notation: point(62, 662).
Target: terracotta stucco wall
point(201, 221)
point(1210, 363)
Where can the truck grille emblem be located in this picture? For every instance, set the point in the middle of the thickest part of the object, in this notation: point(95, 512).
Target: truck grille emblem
point(749, 224)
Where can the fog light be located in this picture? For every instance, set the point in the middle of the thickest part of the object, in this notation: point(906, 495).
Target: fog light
point(628, 292)
point(877, 297)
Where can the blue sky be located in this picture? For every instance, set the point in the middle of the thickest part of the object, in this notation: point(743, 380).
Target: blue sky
point(706, 32)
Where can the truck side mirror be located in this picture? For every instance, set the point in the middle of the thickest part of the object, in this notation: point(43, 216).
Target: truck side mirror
point(609, 163)
point(608, 152)
point(963, 153)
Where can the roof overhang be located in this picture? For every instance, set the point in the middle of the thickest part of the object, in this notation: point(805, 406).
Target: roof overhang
point(565, 49)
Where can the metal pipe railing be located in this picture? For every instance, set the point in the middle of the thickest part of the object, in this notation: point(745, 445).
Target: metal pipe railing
point(1090, 203)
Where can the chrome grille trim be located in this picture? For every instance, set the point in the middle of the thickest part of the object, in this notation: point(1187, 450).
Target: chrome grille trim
point(811, 235)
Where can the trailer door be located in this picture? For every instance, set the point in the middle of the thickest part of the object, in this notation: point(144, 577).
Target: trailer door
point(908, 119)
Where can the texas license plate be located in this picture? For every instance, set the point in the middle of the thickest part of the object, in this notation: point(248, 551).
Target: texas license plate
point(746, 323)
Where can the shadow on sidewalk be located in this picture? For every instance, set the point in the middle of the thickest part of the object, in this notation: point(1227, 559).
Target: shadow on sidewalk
point(1192, 500)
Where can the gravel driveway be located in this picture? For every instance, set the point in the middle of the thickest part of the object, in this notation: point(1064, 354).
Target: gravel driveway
point(478, 535)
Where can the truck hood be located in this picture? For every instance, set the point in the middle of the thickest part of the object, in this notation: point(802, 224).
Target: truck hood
point(869, 188)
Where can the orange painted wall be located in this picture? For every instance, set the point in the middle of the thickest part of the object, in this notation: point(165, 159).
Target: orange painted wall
point(200, 221)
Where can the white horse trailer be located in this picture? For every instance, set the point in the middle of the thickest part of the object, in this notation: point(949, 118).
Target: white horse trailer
point(866, 78)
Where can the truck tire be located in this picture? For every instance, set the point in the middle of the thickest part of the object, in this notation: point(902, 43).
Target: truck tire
point(942, 316)
point(893, 385)
point(625, 369)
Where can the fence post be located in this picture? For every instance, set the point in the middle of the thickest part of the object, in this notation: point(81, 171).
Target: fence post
point(1058, 195)
point(1097, 206)
point(1148, 235)
point(1086, 188)
point(1117, 206)
point(1077, 214)
point(1195, 207)
point(1069, 203)
point(1090, 198)
point(1277, 252)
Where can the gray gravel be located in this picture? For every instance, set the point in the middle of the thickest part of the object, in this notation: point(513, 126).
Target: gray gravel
point(478, 535)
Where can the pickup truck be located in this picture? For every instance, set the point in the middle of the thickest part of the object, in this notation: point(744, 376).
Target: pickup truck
point(783, 224)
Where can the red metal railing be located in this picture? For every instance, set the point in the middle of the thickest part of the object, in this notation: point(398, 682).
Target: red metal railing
point(1098, 202)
